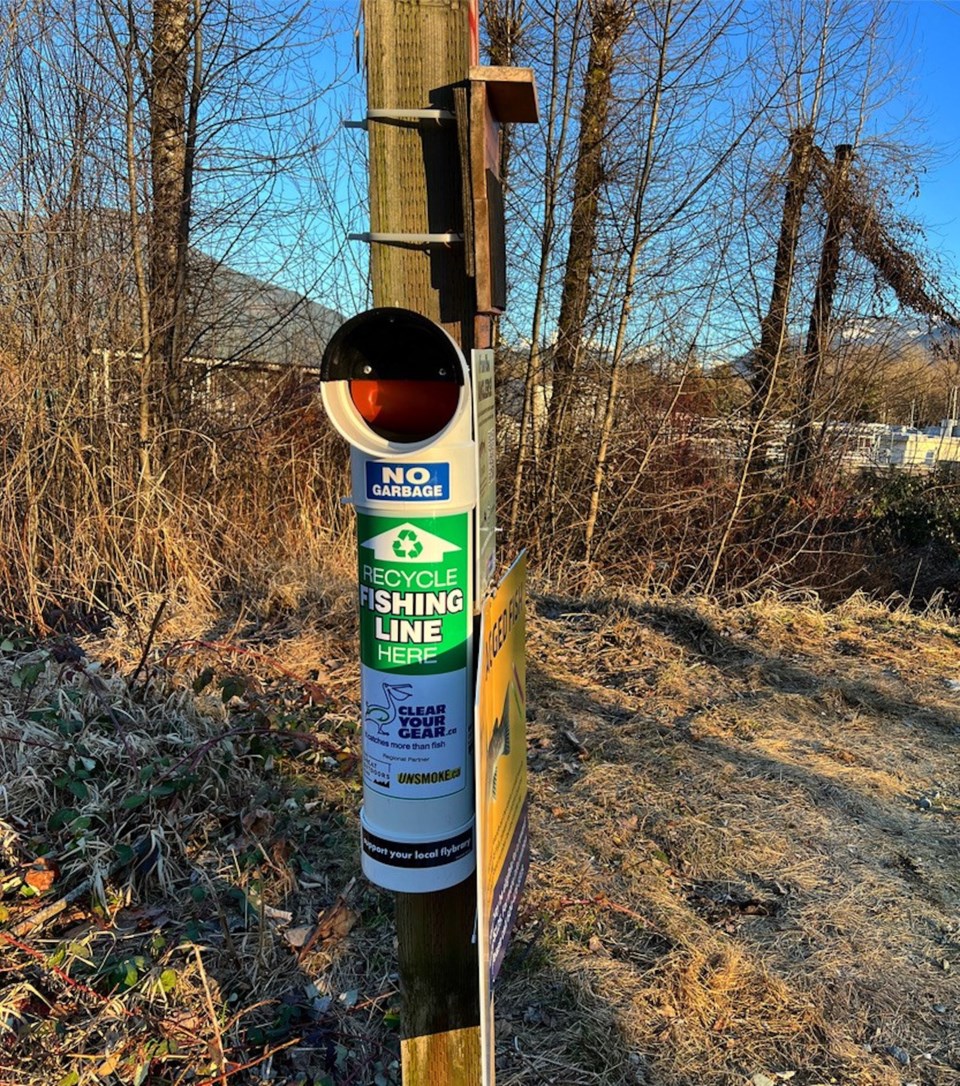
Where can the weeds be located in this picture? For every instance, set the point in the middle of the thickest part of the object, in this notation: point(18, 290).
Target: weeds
point(249, 509)
point(743, 854)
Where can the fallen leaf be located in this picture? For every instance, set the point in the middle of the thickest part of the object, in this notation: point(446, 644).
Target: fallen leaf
point(316, 693)
point(333, 923)
point(109, 1065)
point(41, 875)
point(182, 1024)
point(297, 937)
point(258, 823)
point(336, 922)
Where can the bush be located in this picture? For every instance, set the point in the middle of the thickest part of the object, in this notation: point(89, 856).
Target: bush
point(916, 511)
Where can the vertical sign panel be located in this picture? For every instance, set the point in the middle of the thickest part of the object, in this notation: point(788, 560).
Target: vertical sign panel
point(414, 622)
point(503, 842)
point(485, 437)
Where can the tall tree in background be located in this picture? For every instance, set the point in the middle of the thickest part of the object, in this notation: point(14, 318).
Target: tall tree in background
point(609, 20)
point(677, 37)
point(825, 56)
point(563, 31)
point(802, 443)
point(176, 26)
point(773, 327)
point(143, 149)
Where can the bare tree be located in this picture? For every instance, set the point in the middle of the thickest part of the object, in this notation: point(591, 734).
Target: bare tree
point(802, 444)
point(564, 32)
point(134, 137)
point(609, 20)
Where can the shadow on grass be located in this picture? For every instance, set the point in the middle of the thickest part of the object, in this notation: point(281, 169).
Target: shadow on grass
point(552, 1027)
point(767, 675)
point(611, 766)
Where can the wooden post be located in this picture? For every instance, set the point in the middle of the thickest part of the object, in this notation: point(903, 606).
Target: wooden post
point(416, 51)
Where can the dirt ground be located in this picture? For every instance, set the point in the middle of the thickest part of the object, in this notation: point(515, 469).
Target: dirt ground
point(745, 854)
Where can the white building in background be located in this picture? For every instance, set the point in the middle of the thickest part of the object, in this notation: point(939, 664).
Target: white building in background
point(913, 449)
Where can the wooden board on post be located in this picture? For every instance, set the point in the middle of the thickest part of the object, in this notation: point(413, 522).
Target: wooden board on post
point(496, 96)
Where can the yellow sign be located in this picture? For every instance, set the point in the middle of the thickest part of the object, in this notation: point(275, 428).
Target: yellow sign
point(503, 841)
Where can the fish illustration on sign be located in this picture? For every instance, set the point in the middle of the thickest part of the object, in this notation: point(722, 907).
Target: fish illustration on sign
point(384, 715)
point(499, 745)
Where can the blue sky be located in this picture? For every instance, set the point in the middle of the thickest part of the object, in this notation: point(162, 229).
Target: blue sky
point(927, 47)
point(931, 55)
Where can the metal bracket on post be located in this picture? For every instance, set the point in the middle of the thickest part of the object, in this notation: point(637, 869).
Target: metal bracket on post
point(403, 116)
point(408, 239)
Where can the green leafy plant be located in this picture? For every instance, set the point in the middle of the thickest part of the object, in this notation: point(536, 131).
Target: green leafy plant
point(916, 511)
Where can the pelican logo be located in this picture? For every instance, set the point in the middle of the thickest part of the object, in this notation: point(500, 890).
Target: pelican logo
point(382, 716)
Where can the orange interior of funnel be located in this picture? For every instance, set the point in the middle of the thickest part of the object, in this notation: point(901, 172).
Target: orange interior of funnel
point(405, 410)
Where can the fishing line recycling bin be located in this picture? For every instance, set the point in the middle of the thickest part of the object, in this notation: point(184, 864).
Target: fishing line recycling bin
point(397, 387)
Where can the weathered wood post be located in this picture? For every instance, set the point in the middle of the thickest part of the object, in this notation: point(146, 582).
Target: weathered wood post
point(416, 52)
point(410, 385)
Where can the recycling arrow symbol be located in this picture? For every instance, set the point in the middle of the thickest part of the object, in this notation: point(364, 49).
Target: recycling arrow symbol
point(409, 542)
point(407, 545)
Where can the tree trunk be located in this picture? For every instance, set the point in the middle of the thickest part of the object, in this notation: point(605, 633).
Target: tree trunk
point(532, 421)
point(643, 184)
point(609, 22)
point(802, 446)
point(773, 331)
point(169, 222)
point(773, 328)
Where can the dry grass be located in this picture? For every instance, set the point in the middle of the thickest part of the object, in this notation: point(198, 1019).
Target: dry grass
point(243, 512)
point(165, 852)
point(745, 859)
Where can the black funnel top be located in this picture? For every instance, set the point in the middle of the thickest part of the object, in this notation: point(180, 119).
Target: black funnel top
point(389, 343)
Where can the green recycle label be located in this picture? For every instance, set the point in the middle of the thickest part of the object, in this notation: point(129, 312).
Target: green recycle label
point(415, 606)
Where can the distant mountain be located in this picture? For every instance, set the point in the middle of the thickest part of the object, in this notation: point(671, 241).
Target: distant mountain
point(237, 317)
point(893, 333)
point(898, 332)
point(231, 316)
